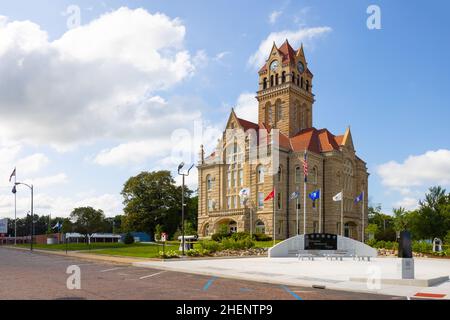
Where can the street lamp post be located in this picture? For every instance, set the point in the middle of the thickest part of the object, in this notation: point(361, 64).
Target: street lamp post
point(32, 212)
point(182, 203)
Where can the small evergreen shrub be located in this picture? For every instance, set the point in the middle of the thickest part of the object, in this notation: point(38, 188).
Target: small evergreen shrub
point(209, 245)
point(262, 237)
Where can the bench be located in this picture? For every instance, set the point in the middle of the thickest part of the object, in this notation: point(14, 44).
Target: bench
point(361, 258)
point(339, 255)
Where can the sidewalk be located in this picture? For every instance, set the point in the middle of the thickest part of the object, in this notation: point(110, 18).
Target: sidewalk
point(320, 272)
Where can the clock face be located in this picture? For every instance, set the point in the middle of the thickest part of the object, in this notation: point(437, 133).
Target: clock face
point(274, 65)
point(300, 67)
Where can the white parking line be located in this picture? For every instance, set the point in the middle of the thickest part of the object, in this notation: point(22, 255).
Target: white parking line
point(113, 269)
point(151, 275)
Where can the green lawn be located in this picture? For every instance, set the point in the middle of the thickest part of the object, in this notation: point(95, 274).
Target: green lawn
point(265, 244)
point(139, 250)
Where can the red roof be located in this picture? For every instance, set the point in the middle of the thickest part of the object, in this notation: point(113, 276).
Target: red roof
point(248, 124)
point(310, 139)
point(287, 51)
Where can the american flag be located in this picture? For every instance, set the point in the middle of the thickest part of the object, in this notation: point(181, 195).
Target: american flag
point(305, 167)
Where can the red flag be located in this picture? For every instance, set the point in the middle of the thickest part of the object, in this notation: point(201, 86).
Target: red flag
point(270, 196)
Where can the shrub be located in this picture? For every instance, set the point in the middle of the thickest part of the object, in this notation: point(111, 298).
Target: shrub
point(237, 244)
point(128, 239)
point(168, 254)
point(197, 252)
point(220, 236)
point(240, 235)
point(371, 242)
point(262, 237)
point(422, 247)
point(209, 245)
point(447, 238)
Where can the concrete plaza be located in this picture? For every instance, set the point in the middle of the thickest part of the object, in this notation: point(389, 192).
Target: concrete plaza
point(335, 275)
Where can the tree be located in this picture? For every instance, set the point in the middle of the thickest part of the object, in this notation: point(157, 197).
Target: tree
point(152, 198)
point(87, 220)
point(385, 224)
point(401, 221)
point(432, 219)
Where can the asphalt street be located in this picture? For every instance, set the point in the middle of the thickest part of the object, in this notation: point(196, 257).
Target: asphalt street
point(25, 275)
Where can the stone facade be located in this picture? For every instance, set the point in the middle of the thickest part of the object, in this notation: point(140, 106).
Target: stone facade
point(285, 115)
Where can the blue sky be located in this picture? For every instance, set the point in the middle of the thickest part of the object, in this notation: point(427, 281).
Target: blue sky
point(390, 85)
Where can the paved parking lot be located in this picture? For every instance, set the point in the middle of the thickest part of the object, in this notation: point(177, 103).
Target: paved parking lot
point(25, 275)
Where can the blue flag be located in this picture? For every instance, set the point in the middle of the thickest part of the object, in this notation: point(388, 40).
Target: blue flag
point(314, 195)
point(295, 195)
point(359, 198)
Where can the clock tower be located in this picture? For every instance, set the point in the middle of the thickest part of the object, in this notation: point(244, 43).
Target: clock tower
point(285, 91)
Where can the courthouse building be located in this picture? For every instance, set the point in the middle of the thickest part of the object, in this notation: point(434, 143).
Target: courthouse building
point(286, 101)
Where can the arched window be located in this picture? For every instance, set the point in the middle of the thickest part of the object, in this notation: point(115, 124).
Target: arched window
point(314, 175)
point(260, 228)
point(298, 174)
point(271, 80)
point(283, 77)
point(293, 77)
point(301, 82)
point(348, 174)
point(232, 227)
point(265, 83)
point(298, 80)
point(276, 79)
point(279, 111)
point(307, 85)
point(208, 182)
point(280, 174)
point(270, 116)
point(260, 173)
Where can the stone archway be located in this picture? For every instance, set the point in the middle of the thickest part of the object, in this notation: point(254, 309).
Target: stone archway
point(231, 224)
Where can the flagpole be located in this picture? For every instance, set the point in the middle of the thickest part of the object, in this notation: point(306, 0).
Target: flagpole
point(15, 209)
point(296, 208)
point(320, 210)
point(274, 222)
point(362, 218)
point(342, 214)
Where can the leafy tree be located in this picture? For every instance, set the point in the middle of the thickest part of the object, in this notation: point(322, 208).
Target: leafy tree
point(385, 224)
point(372, 229)
point(401, 220)
point(432, 219)
point(152, 198)
point(87, 220)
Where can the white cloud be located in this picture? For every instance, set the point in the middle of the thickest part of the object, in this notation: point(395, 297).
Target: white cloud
point(413, 177)
point(96, 81)
point(295, 37)
point(32, 164)
point(274, 15)
point(221, 55)
point(407, 203)
point(44, 182)
point(132, 152)
point(430, 168)
point(247, 107)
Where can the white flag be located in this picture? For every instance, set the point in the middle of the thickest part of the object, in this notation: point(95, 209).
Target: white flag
point(244, 193)
point(338, 197)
